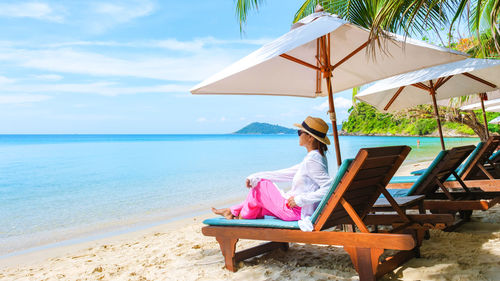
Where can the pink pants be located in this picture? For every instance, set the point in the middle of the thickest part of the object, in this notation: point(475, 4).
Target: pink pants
point(265, 200)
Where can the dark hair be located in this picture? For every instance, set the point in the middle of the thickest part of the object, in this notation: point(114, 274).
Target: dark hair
point(321, 147)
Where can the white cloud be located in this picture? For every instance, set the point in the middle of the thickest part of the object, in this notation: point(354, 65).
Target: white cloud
point(35, 10)
point(123, 12)
point(223, 119)
point(200, 43)
point(340, 104)
point(6, 80)
point(201, 120)
point(107, 15)
point(174, 44)
point(100, 88)
point(22, 98)
point(91, 117)
point(48, 77)
point(194, 67)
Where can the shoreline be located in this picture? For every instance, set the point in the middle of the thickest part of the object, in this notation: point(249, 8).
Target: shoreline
point(346, 134)
point(66, 237)
point(28, 257)
point(178, 250)
point(110, 231)
point(79, 236)
point(76, 235)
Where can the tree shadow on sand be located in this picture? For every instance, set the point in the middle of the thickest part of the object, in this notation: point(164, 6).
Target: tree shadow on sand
point(471, 253)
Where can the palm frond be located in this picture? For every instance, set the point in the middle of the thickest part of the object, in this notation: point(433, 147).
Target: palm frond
point(243, 7)
point(306, 9)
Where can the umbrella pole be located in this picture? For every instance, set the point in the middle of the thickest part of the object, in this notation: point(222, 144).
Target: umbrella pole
point(327, 73)
point(436, 111)
point(334, 120)
point(482, 96)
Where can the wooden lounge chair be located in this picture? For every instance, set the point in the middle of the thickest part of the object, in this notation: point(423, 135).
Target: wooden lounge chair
point(495, 158)
point(433, 180)
point(479, 170)
point(356, 187)
point(480, 166)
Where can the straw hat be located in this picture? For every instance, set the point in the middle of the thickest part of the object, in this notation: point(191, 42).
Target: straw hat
point(315, 127)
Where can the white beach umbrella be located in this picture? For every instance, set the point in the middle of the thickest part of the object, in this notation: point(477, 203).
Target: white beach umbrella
point(492, 99)
point(321, 46)
point(454, 79)
point(474, 102)
point(487, 102)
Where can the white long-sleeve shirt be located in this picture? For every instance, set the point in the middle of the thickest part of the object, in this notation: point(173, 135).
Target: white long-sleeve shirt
point(310, 183)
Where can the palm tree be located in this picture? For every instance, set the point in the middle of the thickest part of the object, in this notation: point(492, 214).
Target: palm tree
point(416, 17)
point(367, 14)
point(404, 16)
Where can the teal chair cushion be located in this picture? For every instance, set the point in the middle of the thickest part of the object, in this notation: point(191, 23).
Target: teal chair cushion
point(277, 223)
point(471, 157)
point(417, 180)
point(268, 223)
point(465, 165)
point(451, 178)
point(427, 172)
point(404, 179)
point(495, 155)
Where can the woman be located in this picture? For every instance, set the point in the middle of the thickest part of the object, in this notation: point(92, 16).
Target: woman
point(310, 182)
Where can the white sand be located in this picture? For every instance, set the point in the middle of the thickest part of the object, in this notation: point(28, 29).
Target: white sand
point(406, 169)
point(178, 251)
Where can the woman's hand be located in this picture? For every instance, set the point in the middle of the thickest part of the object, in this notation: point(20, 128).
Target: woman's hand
point(291, 203)
point(249, 185)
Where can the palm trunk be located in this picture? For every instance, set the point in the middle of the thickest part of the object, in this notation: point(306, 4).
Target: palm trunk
point(469, 119)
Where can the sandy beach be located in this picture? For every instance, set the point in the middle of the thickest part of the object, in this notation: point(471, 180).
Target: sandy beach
point(178, 251)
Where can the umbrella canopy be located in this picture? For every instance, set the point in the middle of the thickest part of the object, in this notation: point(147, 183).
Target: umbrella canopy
point(493, 99)
point(459, 78)
point(271, 70)
point(470, 101)
point(470, 76)
point(322, 46)
point(474, 102)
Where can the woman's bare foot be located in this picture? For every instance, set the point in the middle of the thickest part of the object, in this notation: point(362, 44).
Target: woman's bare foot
point(223, 212)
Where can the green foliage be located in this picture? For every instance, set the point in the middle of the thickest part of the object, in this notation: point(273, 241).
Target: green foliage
point(459, 128)
point(406, 17)
point(489, 116)
point(265, 129)
point(365, 119)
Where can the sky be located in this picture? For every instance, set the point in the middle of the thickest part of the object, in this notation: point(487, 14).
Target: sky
point(126, 67)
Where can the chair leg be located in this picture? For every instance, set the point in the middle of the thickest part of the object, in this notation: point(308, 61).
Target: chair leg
point(228, 248)
point(365, 261)
point(465, 215)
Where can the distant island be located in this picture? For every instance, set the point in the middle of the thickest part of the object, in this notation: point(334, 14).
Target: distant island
point(257, 128)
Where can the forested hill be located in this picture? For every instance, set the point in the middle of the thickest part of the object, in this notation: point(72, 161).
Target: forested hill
point(366, 120)
point(265, 129)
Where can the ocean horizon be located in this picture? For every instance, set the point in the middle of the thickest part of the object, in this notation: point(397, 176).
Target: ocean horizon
point(59, 187)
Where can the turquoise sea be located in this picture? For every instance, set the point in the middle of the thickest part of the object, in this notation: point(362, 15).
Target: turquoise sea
point(57, 188)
